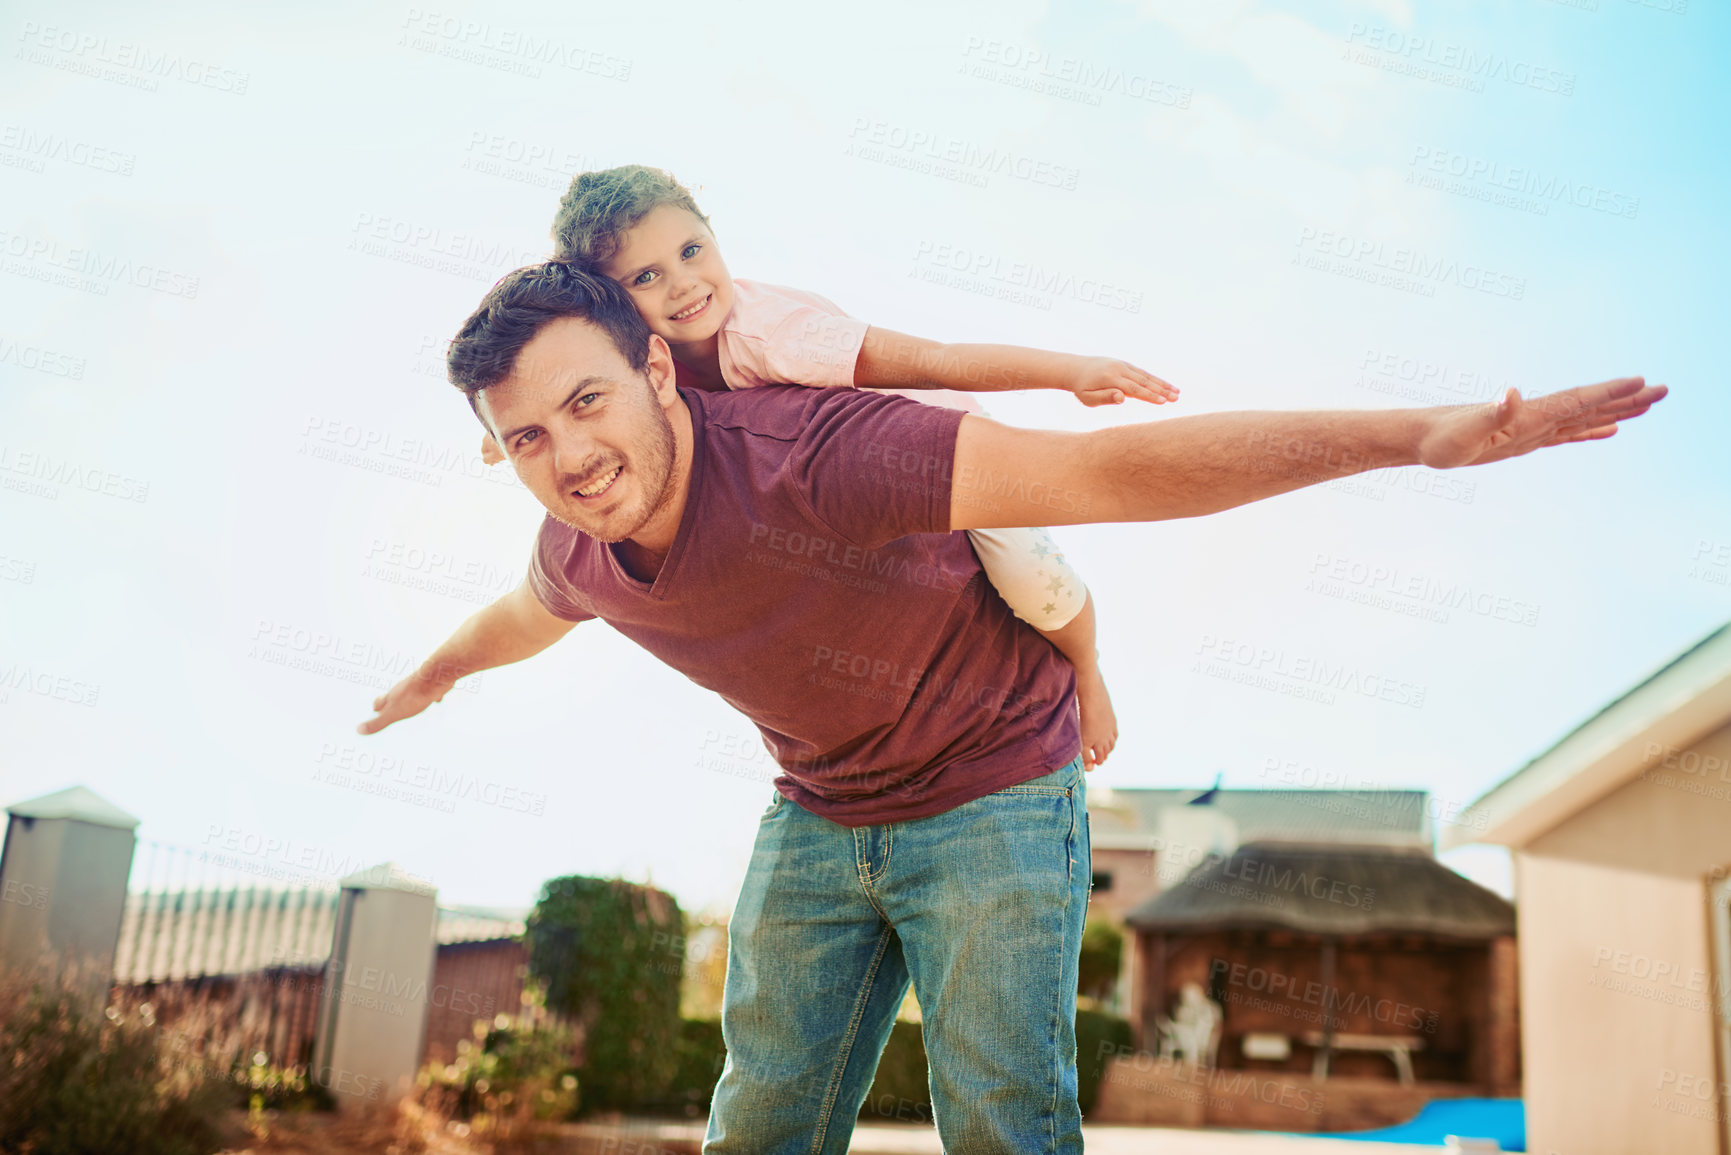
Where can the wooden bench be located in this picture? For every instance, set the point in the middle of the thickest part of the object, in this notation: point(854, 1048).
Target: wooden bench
point(1399, 1048)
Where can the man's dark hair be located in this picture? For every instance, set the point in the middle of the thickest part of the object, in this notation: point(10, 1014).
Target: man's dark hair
point(600, 206)
point(487, 346)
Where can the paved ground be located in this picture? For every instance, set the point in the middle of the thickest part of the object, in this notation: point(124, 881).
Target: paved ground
point(650, 1137)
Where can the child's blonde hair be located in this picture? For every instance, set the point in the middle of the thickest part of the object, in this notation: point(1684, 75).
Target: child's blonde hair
point(600, 206)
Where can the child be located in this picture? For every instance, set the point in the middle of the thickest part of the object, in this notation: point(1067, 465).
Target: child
point(640, 227)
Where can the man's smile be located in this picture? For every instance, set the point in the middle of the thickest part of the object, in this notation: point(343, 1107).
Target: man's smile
point(600, 485)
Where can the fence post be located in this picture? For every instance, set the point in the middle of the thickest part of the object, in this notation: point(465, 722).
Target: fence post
point(63, 875)
point(373, 1014)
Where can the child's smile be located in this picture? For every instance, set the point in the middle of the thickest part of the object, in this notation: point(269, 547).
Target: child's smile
point(670, 264)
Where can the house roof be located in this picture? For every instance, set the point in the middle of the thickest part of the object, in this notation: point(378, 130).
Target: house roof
point(1127, 818)
point(1337, 890)
point(1669, 710)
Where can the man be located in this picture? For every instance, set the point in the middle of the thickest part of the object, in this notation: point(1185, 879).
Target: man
point(792, 550)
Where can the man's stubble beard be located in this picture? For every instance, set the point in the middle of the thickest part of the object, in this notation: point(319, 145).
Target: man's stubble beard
point(658, 459)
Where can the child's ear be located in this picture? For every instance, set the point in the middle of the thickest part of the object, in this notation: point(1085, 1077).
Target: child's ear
point(491, 454)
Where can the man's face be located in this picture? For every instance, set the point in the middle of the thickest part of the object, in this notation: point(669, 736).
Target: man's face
point(670, 264)
point(590, 437)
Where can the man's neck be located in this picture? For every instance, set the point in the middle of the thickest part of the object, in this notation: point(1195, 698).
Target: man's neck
point(643, 553)
point(701, 361)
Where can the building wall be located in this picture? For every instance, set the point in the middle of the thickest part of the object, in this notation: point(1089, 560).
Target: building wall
point(471, 981)
point(1617, 982)
point(1133, 881)
point(1599, 1040)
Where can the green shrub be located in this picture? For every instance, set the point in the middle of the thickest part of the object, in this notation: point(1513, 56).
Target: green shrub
point(611, 954)
point(901, 1089)
point(1102, 954)
point(1092, 1029)
point(700, 1054)
point(510, 1084)
point(263, 1086)
point(74, 1082)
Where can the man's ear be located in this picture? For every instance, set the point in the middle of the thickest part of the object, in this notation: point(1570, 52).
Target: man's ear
point(661, 372)
point(491, 454)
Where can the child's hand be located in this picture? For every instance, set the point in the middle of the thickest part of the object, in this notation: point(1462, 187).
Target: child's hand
point(491, 454)
point(1099, 720)
point(1103, 381)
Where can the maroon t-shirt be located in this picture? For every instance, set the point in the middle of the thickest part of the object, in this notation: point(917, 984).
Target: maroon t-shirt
point(814, 585)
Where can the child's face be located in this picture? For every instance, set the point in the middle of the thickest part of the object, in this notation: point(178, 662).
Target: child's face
point(670, 264)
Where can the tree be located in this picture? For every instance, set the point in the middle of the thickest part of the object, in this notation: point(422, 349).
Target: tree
point(611, 954)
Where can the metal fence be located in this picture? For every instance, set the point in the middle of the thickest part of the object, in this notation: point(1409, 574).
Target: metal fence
point(232, 970)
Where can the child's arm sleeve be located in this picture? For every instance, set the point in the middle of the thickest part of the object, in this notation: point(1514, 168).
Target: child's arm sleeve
point(782, 341)
point(1029, 572)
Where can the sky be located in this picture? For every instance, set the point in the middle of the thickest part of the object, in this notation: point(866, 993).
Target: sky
point(238, 499)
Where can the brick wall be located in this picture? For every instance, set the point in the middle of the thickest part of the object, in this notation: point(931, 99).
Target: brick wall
point(471, 980)
point(1458, 999)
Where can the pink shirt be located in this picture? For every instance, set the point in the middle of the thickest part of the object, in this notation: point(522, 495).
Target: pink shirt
point(781, 336)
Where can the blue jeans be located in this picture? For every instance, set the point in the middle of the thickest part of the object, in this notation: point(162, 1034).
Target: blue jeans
point(981, 907)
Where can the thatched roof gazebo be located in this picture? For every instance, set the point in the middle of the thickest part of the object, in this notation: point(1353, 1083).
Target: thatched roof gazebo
point(1338, 955)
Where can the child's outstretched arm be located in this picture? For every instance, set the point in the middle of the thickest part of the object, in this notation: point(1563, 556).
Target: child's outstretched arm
point(891, 360)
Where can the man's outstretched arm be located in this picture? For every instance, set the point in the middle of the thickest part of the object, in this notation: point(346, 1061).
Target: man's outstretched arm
point(515, 627)
point(1191, 466)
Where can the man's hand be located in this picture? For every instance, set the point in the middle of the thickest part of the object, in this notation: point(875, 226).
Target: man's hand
point(515, 627)
point(1103, 381)
point(406, 699)
point(1478, 434)
point(1198, 465)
